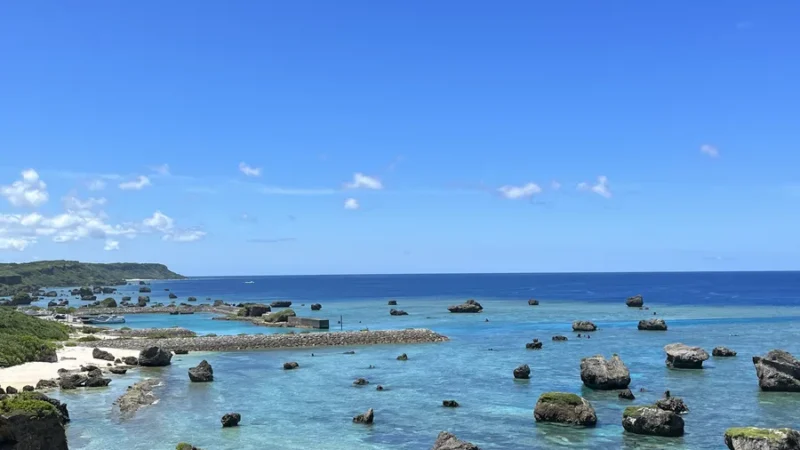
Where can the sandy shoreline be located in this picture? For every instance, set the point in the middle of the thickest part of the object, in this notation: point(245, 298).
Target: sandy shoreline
point(30, 373)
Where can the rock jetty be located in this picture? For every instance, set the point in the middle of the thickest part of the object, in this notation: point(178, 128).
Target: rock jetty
point(637, 301)
point(652, 325)
point(778, 371)
point(151, 332)
point(138, 395)
point(752, 438)
point(277, 341)
point(566, 408)
point(599, 373)
point(681, 356)
point(447, 441)
point(722, 352)
point(470, 306)
point(583, 325)
point(652, 421)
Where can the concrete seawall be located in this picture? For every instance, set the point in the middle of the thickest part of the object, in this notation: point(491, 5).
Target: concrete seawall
point(280, 341)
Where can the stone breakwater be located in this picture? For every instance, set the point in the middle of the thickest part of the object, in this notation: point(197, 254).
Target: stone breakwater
point(280, 341)
point(157, 310)
point(149, 332)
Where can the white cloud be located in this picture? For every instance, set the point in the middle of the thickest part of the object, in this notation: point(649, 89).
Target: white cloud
point(162, 170)
point(30, 220)
point(351, 203)
point(601, 188)
point(111, 245)
point(275, 190)
point(29, 191)
point(74, 203)
point(555, 185)
point(248, 170)
point(363, 181)
point(184, 236)
point(709, 150)
point(140, 182)
point(18, 244)
point(159, 221)
point(96, 185)
point(515, 192)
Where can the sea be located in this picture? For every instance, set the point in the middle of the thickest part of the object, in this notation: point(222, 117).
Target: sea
point(312, 407)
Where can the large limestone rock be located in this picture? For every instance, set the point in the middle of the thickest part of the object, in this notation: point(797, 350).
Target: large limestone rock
point(365, 418)
point(447, 441)
point(599, 373)
point(652, 421)
point(231, 420)
point(470, 306)
point(522, 372)
point(139, 395)
point(681, 356)
point(561, 407)
point(583, 325)
point(652, 325)
point(637, 301)
point(723, 352)
point(279, 316)
point(751, 438)
point(155, 357)
point(27, 423)
point(281, 304)
point(102, 354)
point(203, 373)
point(778, 371)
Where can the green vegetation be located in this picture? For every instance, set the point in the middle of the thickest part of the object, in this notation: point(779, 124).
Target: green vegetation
point(279, 316)
point(634, 411)
point(757, 433)
point(26, 403)
point(108, 303)
point(21, 298)
point(16, 277)
point(125, 329)
point(90, 330)
point(24, 338)
point(70, 344)
point(88, 339)
point(561, 397)
point(211, 335)
point(63, 310)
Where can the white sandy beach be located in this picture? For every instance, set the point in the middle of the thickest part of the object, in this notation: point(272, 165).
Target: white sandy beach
point(68, 358)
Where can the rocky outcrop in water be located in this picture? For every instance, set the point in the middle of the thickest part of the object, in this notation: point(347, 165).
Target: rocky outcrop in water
point(533, 302)
point(397, 312)
point(637, 301)
point(118, 370)
point(778, 371)
point(73, 380)
point(290, 365)
point(130, 360)
point(281, 304)
point(231, 420)
point(360, 382)
point(681, 356)
point(723, 352)
point(674, 404)
point(392, 302)
point(470, 306)
point(46, 384)
point(279, 316)
point(154, 357)
point(202, 373)
point(535, 345)
point(402, 357)
point(599, 373)
point(139, 395)
point(254, 310)
point(626, 395)
point(172, 295)
point(652, 421)
point(752, 438)
point(447, 441)
point(144, 289)
point(191, 299)
point(559, 338)
point(566, 408)
point(365, 418)
point(652, 325)
point(102, 354)
point(522, 372)
point(583, 325)
point(316, 306)
point(450, 404)
point(27, 423)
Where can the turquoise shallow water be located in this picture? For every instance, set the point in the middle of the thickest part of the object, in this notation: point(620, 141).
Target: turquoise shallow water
point(311, 408)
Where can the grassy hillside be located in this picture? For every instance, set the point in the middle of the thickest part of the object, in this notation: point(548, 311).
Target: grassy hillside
point(24, 338)
point(74, 273)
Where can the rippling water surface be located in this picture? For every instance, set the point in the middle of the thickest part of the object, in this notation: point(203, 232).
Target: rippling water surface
point(312, 407)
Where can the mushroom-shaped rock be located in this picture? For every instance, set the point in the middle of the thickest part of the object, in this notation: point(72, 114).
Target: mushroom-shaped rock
point(637, 301)
point(533, 302)
point(365, 418)
point(290, 365)
point(722, 352)
point(447, 441)
point(652, 325)
point(583, 325)
point(402, 357)
point(674, 404)
point(751, 438)
point(559, 338)
point(652, 421)
point(102, 354)
point(626, 395)
point(155, 357)
point(397, 312)
point(778, 371)
point(470, 306)
point(681, 356)
point(316, 306)
point(450, 404)
point(522, 372)
point(535, 345)
point(202, 373)
point(566, 408)
point(231, 420)
point(599, 373)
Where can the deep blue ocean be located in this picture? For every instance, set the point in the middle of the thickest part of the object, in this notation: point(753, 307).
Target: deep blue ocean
point(311, 408)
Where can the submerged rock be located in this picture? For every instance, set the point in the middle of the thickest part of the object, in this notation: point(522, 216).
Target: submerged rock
point(559, 338)
point(138, 395)
point(522, 372)
point(290, 365)
point(722, 352)
point(155, 357)
point(752, 438)
point(447, 441)
point(637, 301)
point(681, 356)
point(397, 312)
point(102, 354)
point(599, 373)
point(566, 408)
point(674, 404)
point(470, 306)
point(231, 420)
point(360, 382)
point(202, 373)
point(626, 395)
point(365, 418)
point(653, 325)
point(652, 421)
point(778, 371)
point(583, 325)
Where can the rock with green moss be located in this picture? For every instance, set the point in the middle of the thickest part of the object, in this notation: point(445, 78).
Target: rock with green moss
point(29, 423)
point(652, 421)
point(751, 438)
point(108, 303)
point(566, 408)
point(279, 316)
point(599, 373)
point(21, 298)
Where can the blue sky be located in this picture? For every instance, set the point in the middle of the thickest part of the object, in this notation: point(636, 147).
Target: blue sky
point(396, 137)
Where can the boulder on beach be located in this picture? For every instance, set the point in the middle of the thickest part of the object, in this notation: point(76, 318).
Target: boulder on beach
point(365, 418)
point(674, 404)
point(27, 388)
point(681, 356)
point(637, 301)
point(599, 373)
point(583, 325)
point(27, 423)
point(102, 354)
point(231, 420)
point(778, 371)
point(535, 345)
point(118, 370)
point(522, 372)
point(202, 373)
point(450, 404)
point(652, 421)
point(397, 312)
point(565, 408)
point(447, 441)
point(392, 302)
point(180, 351)
point(559, 338)
point(290, 365)
point(46, 384)
point(316, 306)
point(626, 395)
point(723, 352)
point(281, 304)
point(130, 360)
point(155, 357)
point(752, 438)
point(470, 306)
point(533, 302)
point(652, 325)
point(279, 316)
